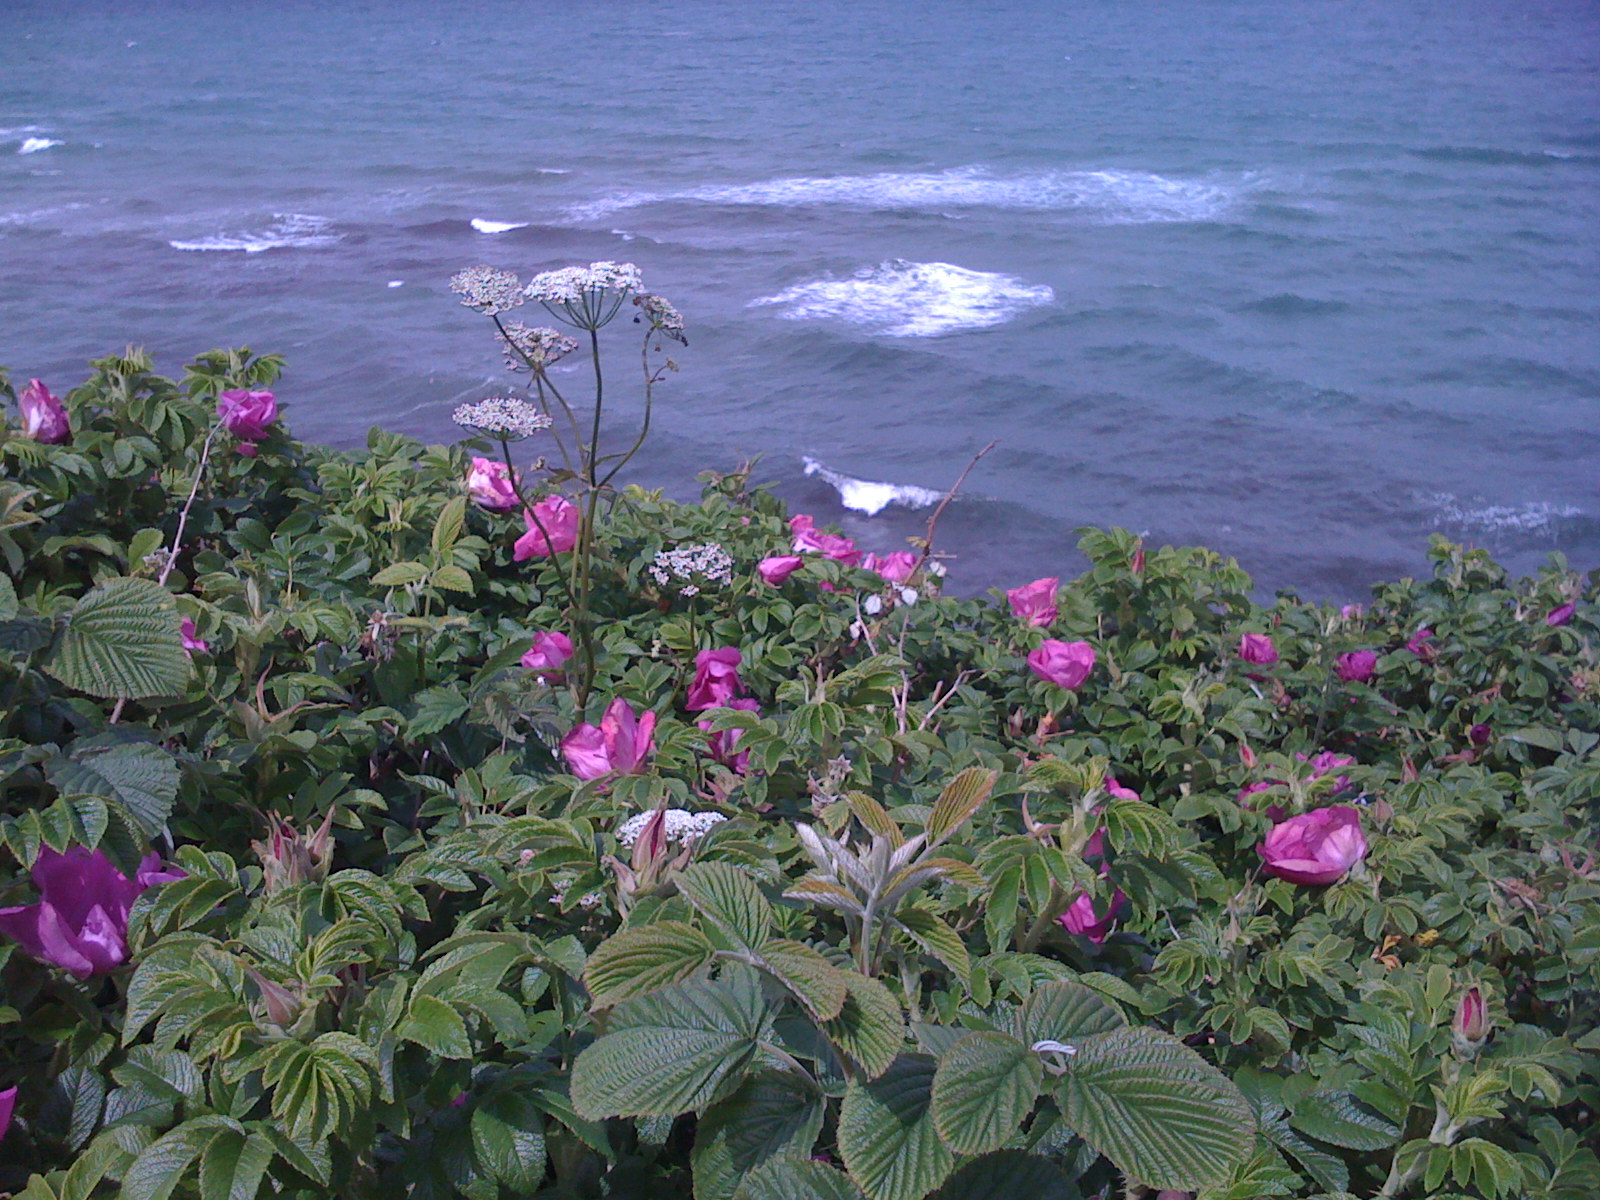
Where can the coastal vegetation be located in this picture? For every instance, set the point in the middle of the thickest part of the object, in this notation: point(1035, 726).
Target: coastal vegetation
point(452, 820)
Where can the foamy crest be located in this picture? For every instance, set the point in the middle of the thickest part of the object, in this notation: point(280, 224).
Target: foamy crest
point(868, 496)
point(1110, 196)
point(483, 226)
point(297, 230)
point(911, 299)
point(1538, 518)
point(32, 145)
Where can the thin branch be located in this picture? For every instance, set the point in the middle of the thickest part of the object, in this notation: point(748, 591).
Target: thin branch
point(933, 521)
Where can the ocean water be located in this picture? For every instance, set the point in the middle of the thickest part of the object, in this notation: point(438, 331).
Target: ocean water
point(1302, 281)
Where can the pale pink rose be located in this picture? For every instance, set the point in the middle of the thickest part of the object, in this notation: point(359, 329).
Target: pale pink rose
point(1258, 648)
point(1065, 664)
point(549, 652)
point(489, 485)
point(776, 569)
point(1035, 603)
point(559, 518)
point(44, 418)
point(716, 679)
point(1357, 667)
point(248, 416)
point(1316, 847)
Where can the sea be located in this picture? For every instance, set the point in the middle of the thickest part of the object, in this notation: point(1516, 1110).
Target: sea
point(1303, 281)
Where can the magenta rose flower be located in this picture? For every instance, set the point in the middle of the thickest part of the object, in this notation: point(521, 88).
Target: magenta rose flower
point(1471, 1023)
point(248, 416)
point(1420, 644)
point(1065, 664)
point(8, 1103)
point(1560, 614)
point(1316, 847)
point(559, 518)
point(489, 485)
point(829, 545)
point(192, 640)
point(895, 568)
point(1257, 648)
point(1080, 916)
point(44, 418)
point(1480, 734)
point(1035, 603)
point(80, 922)
point(716, 679)
point(1357, 667)
point(724, 746)
point(776, 569)
point(550, 652)
point(621, 744)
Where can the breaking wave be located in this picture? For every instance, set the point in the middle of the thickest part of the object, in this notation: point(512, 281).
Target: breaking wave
point(286, 230)
point(868, 496)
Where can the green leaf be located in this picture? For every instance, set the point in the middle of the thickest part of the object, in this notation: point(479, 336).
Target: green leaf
point(508, 1140)
point(645, 958)
point(773, 1114)
point(1156, 1109)
point(797, 1179)
point(139, 777)
point(162, 1165)
point(670, 1051)
point(1008, 1175)
point(819, 986)
point(122, 641)
point(983, 1090)
point(451, 578)
point(399, 574)
point(1064, 1012)
point(887, 1135)
point(961, 797)
point(729, 899)
point(938, 939)
point(434, 1025)
point(1339, 1119)
point(870, 1028)
point(436, 707)
point(448, 527)
point(8, 599)
point(234, 1165)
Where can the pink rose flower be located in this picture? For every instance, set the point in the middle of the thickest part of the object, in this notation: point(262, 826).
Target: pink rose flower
point(1080, 916)
point(1257, 648)
point(829, 545)
point(44, 418)
point(895, 568)
point(716, 679)
point(776, 569)
point(80, 922)
point(489, 485)
point(1357, 666)
point(1479, 735)
point(8, 1103)
point(621, 744)
point(191, 638)
point(1316, 847)
point(1419, 644)
point(1471, 1022)
point(1560, 614)
point(723, 746)
point(1326, 763)
point(1065, 664)
point(549, 652)
point(1035, 603)
point(1113, 788)
point(559, 517)
point(248, 416)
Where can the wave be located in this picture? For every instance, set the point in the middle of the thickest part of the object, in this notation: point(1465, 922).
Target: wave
point(868, 496)
point(1111, 196)
point(1540, 518)
point(911, 299)
point(287, 230)
point(483, 226)
point(1492, 156)
point(32, 145)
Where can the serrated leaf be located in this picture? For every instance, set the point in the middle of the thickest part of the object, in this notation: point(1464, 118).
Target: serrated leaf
point(122, 641)
point(234, 1165)
point(141, 778)
point(938, 939)
point(436, 707)
point(870, 1027)
point(451, 578)
point(984, 1089)
point(817, 984)
point(448, 527)
point(670, 1051)
point(729, 899)
point(797, 1179)
point(887, 1136)
point(1008, 1175)
point(1156, 1109)
point(645, 958)
point(773, 1114)
point(434, 1025)
point(1339, 1119)
point(961, 797)
point(399, 574)
point(1065, 1011)
point(508, 1140)
point(162, 1165)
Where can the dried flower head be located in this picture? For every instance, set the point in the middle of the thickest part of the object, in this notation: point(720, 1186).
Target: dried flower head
point(664, 318)
point(587, 297)
point(489, 290)
point(532, 348)
point(503, 417)
point(681, 826)
point(692, 567)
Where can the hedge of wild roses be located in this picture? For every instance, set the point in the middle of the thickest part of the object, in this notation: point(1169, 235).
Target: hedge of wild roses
point(441, 820)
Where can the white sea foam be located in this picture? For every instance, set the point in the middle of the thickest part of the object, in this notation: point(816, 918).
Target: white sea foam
point(911, 299)
point(868, 496)
point(32, 145)
point(1534, 517)
point(1110, 196)
point(286, 230)
point(483, 226)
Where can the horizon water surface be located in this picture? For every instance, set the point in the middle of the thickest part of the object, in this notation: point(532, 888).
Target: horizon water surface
point(1304, 282)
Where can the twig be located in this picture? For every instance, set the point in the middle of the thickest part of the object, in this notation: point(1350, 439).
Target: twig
point(183, 517)
point(933, 521)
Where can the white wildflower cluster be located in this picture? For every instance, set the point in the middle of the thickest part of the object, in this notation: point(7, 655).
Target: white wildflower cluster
point(534, 347)
point(682, 826)
point(587, 297)
point(503, 417)
point(664, 318)
point(694, 566)
point(561, 883)
point(488, 289)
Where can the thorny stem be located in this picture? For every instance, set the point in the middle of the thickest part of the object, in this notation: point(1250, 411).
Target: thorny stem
point(933, 521)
